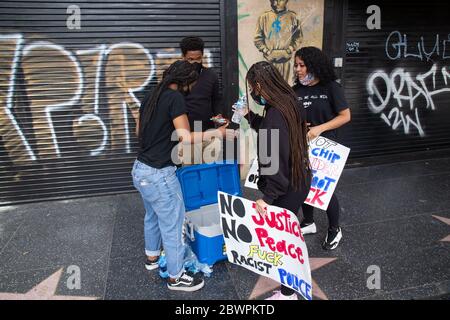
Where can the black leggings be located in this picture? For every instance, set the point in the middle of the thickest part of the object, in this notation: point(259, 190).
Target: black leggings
point(292, 201)
point(332, 212)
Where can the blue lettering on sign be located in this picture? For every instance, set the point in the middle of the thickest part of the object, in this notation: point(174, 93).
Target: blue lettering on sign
point(323, 184)
point(329, 155)
point(293, 281)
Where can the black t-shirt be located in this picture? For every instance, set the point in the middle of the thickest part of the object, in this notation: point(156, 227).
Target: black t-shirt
point(204, 101)
point(156, 143)
point(322, 103)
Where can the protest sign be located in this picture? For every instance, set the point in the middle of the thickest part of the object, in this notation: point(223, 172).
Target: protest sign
point(252, 176)
point(272, 246)
point(327, 159)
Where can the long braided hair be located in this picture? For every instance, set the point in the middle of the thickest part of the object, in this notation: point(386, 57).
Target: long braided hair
point(282, 97)
point(181, 73)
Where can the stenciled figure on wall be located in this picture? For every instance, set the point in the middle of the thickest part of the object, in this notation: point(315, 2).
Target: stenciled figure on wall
point(278, 35)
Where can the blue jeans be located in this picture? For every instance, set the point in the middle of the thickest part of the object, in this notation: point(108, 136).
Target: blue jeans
point(164, 213)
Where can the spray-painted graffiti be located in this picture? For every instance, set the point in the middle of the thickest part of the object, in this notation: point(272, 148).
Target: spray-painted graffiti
point(399, 96)
point(397, 47)
point(402, 96)
point(55, 81)
point(12, 136)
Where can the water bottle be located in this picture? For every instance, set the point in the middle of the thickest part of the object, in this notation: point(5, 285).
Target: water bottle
point(240, 106)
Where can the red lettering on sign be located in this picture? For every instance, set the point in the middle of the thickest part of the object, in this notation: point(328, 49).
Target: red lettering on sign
point(288, 249)
point(258, 219)
point(316, 197)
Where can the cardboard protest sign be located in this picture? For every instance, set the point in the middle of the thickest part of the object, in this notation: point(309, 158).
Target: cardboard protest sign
point(252, 176)
point(327, 159)
point(272, 246)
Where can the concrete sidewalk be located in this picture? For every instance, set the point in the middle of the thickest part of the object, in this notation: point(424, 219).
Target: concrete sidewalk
point(394, 216)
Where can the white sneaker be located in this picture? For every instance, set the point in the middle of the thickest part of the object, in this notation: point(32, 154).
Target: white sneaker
point(151, 265)
point(308, 228)
point(279, 296)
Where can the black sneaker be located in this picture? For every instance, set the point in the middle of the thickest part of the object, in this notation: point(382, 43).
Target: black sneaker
point(151, 265)
point(332, 239)
point(186, 282)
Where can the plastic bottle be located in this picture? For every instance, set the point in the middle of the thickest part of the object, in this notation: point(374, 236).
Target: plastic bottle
point(240, 106)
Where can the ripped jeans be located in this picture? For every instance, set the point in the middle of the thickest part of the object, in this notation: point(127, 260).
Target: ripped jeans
point(164, 213)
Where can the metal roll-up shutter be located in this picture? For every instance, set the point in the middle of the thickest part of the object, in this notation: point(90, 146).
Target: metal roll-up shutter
point(68, 95)
point(397, 78)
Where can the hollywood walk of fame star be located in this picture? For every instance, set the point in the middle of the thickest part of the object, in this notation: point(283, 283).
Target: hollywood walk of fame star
point(446, 221)
point(43, 291)
point(264, 284)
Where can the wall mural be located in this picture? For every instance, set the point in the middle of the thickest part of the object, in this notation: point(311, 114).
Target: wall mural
point(273, 30)
point(265, 33)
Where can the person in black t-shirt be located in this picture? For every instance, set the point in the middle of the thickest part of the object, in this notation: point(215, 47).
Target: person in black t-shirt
point(162, 114)
point(204, 101)
point(286, 179)
point(326, 109)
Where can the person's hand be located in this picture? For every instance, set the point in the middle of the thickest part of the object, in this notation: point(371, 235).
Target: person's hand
point(313, 132)
point(222, 129)
point(261, 207)
point(219, 120)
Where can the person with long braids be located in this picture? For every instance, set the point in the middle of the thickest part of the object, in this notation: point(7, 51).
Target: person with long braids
point(288, 186)
point(161, 113)
point(326, 109)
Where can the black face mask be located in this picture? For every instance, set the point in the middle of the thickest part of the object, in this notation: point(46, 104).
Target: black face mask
point(198, 67)
point(258, 99)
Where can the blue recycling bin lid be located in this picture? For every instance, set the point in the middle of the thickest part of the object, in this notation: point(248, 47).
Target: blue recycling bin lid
point(200, 183)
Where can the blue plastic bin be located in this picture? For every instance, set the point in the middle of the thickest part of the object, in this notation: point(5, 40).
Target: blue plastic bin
point(200, 184)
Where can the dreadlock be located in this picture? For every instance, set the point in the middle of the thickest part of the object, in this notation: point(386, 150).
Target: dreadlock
point(181, 73)
point(281, 96)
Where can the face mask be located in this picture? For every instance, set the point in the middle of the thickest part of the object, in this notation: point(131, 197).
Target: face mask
point(306, 81)
point(258, 99)
point(198, 67)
